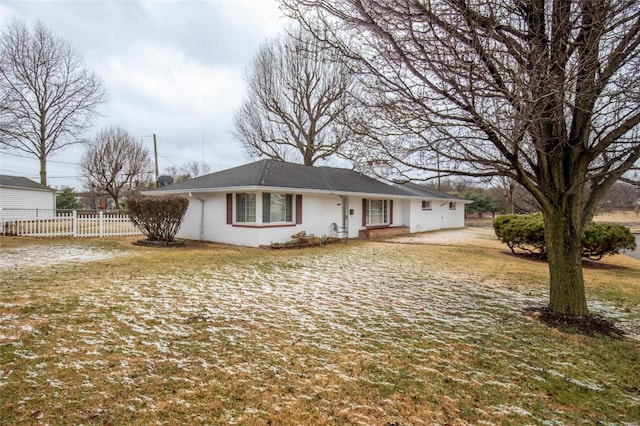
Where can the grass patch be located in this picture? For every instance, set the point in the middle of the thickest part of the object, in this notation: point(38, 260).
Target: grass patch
point(364, 333)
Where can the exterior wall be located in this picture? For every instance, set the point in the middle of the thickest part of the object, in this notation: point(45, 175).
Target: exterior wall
point(212, 226)
point(33, 202)
point(319, 214)
point(439, 217)
point(400, 214)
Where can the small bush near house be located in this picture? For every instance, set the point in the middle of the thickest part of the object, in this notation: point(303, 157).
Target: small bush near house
point(302, 238)
point(526, 233)
point(159, 218)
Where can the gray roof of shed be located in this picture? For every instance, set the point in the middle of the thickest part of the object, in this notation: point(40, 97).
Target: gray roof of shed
point(279, 174)
point(22, 182)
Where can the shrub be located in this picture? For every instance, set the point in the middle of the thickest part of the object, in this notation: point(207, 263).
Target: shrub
point(526, 232)
point(606, 238)
point(302, 238)
point(159, 218)
point(522, 231)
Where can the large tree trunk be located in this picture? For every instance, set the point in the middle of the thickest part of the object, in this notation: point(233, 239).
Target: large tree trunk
point(563, 240)
point(43, 170)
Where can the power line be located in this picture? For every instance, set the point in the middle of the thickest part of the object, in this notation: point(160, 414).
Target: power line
point(32, 158)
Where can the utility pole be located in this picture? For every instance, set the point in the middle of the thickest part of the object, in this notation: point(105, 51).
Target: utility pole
point(155, 154)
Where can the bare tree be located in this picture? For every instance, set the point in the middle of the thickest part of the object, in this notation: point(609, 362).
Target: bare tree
point(114, 162)
point(48, 98)
point(545, 93)
point(622, 196)
point(296, 103)
point(188, 170)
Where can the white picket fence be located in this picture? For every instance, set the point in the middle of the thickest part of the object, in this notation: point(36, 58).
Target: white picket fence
point(71, 224)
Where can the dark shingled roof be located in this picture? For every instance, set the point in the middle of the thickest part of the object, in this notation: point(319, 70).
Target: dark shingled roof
point(271, 173)
point(423, 191)
point(279, 174)
point(22, 182)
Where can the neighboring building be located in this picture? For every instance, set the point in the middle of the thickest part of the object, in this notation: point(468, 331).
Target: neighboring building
point(268, 201)
point(20, 197)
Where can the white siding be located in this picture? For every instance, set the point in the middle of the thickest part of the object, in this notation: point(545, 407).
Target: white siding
point(40, 203)
point(438, 217)
point(319, 214)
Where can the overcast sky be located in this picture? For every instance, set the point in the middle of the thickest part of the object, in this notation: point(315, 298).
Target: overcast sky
point(175, 69)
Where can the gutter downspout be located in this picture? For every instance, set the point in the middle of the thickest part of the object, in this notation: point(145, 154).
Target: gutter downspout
point(345, 215)
point(201, 233)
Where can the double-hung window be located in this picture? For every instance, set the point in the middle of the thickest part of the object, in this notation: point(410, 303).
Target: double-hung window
point(377, 212)
point(426, 204)
point(452, 205)
point(277, 208)
point(245, 208)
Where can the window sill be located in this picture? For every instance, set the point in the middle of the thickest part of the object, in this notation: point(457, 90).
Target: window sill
point(249, 225)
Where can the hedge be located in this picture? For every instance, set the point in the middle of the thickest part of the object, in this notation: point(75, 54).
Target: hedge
point(526, 233)
point(159, 218)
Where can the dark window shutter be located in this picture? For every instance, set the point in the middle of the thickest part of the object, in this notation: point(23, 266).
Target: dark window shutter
point(364, 212)
point(266, 207)
point(229, 209)
point(390, 212)
point(298, 209)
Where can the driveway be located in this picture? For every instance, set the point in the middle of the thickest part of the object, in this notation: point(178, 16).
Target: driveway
point(453, 237)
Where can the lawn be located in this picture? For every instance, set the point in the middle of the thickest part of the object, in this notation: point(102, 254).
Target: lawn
point(373, 333)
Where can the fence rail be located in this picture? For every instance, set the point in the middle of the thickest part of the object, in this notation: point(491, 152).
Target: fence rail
point(72, 224)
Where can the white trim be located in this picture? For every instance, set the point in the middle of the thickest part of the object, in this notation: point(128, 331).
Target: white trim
point(286, 189)
point(26, 188)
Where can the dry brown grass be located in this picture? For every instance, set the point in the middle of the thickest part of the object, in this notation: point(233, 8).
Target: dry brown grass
point(368, 333)
point(629, 216)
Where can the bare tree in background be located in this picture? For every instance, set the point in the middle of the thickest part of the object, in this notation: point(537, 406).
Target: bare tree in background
point(545, 93)
point(296, 103)
point(188, 170)
point(48, 98)
point(114, 162)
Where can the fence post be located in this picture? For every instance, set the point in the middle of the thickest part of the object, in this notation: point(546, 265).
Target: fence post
point(74, 223)
point(101, 224)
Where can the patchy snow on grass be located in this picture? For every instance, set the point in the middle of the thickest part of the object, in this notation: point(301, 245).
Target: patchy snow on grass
point(39, 256)
point(306, 335)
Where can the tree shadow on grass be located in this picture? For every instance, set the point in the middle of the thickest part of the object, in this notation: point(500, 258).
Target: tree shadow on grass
point(590, 325)
point(586, 264)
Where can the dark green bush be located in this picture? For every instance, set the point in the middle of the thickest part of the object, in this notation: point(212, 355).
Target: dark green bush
point(159, 218)
point(526, 232)
point(521, 231)
point(606, 238)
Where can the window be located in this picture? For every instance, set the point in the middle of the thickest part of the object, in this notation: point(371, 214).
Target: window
point(246, 208)
point(426, 205)
point(452, 205)
point(277, 208)
point(376, 212)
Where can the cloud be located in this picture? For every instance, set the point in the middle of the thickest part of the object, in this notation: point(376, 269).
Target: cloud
point(171, 68)
point(164, 78)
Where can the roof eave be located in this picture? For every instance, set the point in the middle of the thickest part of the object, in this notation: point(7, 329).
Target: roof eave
point(27, 188)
